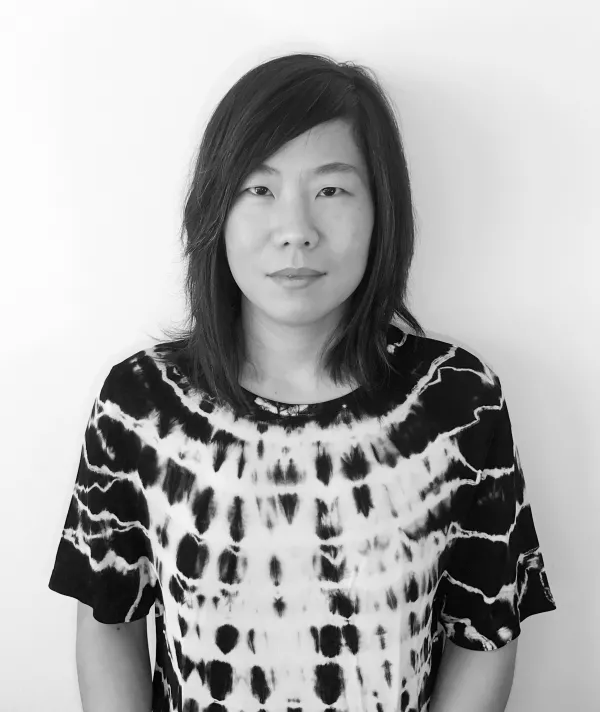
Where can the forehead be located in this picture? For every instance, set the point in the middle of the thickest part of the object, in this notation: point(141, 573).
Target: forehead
point(325, 149)
point(330, 135)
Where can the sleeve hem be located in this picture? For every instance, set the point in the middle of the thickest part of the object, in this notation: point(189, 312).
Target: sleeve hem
point(462, 642)
point(475, 648)
point(102, 614)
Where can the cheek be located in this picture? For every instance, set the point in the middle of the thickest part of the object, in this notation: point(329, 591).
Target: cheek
point(351, 249)
point(240, 246)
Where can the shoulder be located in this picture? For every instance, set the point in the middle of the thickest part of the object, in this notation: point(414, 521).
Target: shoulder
point(440, 358)
point(136, 381)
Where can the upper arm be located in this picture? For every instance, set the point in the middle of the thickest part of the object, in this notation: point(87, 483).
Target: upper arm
point(105, 556)
point(86, 620)
point(113, 663)
point(494, 573)
point(474, 679)
point(505, 654)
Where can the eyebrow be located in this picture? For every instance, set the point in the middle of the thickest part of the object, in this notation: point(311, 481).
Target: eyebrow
point(326, 168)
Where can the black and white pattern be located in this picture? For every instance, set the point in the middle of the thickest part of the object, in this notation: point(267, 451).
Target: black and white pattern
point(305, 558)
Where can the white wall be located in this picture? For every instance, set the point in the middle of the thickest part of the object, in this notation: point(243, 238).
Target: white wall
point(103, 102)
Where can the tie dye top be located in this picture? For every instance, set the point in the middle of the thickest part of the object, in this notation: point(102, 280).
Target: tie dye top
point(305, 558)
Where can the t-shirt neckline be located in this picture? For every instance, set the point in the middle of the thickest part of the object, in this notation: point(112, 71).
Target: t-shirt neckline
point(281, 408)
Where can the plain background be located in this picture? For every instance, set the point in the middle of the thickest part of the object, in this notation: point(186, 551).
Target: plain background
point(103, 107)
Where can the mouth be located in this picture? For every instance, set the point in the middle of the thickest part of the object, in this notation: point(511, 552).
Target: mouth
point(295, 275)
point(296, 280)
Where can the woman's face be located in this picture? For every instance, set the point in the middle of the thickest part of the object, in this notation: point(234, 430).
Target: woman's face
point(296, 217)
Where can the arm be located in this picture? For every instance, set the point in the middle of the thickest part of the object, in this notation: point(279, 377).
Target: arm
point(474, 681)
point(113, 664)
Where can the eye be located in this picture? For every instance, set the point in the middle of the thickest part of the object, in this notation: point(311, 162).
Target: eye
point(259, 187)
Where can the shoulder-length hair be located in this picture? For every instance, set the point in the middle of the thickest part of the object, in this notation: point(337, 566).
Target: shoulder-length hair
point(267, 107)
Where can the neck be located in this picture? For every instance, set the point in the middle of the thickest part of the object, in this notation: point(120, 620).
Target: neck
point(284, 355)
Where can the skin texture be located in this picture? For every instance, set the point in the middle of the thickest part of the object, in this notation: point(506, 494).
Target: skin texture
point(474, 681)
point(299, 219)
point(113, 664)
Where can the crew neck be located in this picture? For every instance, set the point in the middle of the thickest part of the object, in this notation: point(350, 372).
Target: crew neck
point(280, 408)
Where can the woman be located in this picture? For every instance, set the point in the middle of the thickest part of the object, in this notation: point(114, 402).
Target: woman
point(314, 498)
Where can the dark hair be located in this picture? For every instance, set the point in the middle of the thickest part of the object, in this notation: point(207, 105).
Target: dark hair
point(269, 106)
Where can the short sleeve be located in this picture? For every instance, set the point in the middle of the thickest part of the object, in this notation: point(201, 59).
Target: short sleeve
point(495, 576)
point(104, 557)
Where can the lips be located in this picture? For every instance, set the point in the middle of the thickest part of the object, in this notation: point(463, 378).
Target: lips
point(301, 272)
point(296, 282)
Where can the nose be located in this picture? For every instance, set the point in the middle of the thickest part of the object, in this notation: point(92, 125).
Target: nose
point(296, 225)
